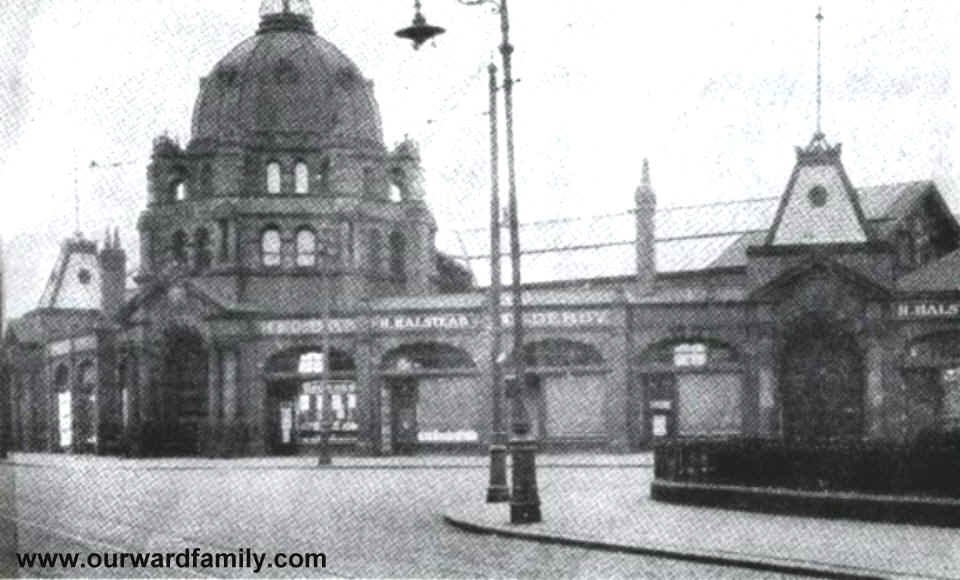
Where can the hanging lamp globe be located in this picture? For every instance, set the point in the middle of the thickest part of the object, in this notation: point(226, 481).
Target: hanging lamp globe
point(419, 32)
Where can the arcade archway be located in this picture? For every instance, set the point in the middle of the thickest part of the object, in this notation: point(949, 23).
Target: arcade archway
point(430, 397)
point(569, 399)
point(931, 373)
point(822, 384)
point(182, 398)
point(297, 380)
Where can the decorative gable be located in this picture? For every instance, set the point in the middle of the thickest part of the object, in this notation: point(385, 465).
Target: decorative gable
point(819, 206)
point(75, 281)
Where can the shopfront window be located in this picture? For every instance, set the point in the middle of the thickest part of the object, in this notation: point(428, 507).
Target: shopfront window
point(692, 388)
point(932, 378)
point(306, 381)
point(433, 395)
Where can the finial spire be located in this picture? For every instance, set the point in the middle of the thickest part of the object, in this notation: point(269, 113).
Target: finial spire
point(819, 72)
point(646, 173)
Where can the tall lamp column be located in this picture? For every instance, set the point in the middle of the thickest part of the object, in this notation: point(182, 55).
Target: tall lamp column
point(497, 491)
point(525, 499)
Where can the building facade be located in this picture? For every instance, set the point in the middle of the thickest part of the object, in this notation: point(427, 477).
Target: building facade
point(289, 261)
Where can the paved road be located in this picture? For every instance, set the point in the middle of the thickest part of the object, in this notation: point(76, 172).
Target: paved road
point(368, 522)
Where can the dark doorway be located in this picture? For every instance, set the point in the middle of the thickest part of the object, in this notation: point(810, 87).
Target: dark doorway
point(403, 394)
point(281, 420)
point(183, 394)
point(822, 382)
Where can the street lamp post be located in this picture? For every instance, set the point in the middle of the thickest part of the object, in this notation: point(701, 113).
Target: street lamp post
point(524, 500)
point(497, 491)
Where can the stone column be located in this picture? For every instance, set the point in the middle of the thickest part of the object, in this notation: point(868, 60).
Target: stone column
point(766, 422)
point(213, 444)
point(367, 400)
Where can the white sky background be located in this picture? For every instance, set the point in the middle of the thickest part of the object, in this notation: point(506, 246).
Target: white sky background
point(716, 94)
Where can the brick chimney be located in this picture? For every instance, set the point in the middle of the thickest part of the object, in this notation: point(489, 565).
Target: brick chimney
point(646, 209)
point(113, 275)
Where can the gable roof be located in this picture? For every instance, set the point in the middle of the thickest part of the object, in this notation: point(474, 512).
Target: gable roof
point(837, 217)
point(75, 280)
point(941, 275)
point(689, 238)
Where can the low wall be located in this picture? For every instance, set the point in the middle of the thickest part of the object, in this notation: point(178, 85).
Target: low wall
point(880, 508)
point(916, 483)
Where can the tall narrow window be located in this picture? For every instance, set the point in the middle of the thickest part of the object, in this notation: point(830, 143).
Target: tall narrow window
point(375, 251)
point(202, 247)
point(206, 180)
point(179, 248)
point(325, 169)
point(301, 176)
point(273, 177)
point(270, 247)
point(223, 234)
point(306, 248)
point(179, 191)
point(398, 255)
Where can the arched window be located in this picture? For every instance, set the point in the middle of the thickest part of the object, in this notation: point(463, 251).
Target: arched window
point(398, 255)
point(559, 352)
point(179, 189)
point(306, 248)
point(326, 167)
point(689, 353)
point(426, 356)
point(274, 179)
point(301, 176)
point(202, 249)
point(270, 247)
point(61, 377)
point(397, 181)
point(179, 247)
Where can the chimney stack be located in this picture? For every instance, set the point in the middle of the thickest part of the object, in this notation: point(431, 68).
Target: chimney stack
point(646, 209)
point(113, 275)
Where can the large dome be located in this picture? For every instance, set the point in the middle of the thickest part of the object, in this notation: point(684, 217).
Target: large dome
point(286, 85)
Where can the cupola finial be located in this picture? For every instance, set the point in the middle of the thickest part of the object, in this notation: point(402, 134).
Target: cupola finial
point(286, 16)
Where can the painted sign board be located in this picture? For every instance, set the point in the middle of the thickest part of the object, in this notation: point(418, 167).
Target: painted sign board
point(925, 309)
point(439, 321)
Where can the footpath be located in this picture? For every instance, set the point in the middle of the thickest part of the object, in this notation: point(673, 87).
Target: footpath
point(617, 514)
point(563, 460)
point(602, 502)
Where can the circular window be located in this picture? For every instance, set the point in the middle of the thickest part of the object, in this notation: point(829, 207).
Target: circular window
point(84, 276)
point(817, 196)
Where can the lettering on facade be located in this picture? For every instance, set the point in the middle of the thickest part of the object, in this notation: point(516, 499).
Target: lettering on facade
point(931, 309)
point(458, 321)
point(309, 326)
point(561, 319)
point(427, 322)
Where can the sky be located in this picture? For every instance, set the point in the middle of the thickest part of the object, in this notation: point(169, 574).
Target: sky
point(715, 94)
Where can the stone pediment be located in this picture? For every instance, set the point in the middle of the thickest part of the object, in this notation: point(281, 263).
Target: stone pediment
point(820, 273)
point(174, 298)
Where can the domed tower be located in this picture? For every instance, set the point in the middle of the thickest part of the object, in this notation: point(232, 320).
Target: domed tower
point(286, 181)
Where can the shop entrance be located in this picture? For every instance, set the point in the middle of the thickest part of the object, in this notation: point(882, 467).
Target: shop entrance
point(434, 398)
point(932, 379)
point(183, 394)
point(822, 382)
point(300, 384)
point(403, 421)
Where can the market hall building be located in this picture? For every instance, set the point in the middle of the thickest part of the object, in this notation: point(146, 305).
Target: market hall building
point(286, 252)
